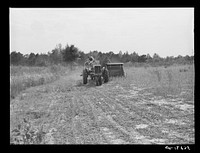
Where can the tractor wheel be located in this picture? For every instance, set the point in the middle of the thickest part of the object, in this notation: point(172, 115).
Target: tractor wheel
point(100, 80)
point(105, 76)
point(97, 80)
point(123, 73)
point(84, 77)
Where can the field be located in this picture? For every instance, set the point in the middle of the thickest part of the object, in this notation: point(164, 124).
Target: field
point(23, 77)
point(151, 105)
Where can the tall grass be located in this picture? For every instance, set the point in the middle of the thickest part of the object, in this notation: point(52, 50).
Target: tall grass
point(22, 77)
point(158, 74)
point(160, 81)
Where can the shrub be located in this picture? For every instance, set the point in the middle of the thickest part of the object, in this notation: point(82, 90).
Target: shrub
point(25, 133)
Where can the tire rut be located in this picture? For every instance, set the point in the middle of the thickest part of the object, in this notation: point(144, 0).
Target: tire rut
point(153, 119)
point(133, 109)
point(84, 122)
point(96, 116)
point(129, 134)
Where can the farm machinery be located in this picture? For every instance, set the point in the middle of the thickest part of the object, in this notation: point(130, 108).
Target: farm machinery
point(96, 73)
point(101, 74)
point(115, 69)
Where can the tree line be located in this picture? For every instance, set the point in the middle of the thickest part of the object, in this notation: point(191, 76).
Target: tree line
point(71, 54)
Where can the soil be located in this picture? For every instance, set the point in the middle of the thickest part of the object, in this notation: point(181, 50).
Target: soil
point(73, 113)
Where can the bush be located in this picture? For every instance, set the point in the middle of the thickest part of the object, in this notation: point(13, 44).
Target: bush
point(25, 133)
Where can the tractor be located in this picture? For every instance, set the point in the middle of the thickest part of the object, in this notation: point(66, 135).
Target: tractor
point(101, 74)
point(96, 72)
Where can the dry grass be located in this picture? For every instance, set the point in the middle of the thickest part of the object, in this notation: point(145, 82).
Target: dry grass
point(22, 77)
point(160, 81)
point(134, 109)
point(25, 133)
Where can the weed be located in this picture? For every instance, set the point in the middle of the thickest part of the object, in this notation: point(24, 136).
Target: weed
point(158, 74)
point(169, 76)
point(25, 133)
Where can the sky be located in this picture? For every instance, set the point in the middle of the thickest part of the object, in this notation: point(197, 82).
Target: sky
point(165, 31)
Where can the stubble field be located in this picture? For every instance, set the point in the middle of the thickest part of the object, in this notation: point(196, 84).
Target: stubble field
point(153, 105)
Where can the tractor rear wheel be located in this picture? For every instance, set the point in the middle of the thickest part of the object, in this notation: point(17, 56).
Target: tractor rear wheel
point(97, 80)
point(100, 80)
point(84, 77)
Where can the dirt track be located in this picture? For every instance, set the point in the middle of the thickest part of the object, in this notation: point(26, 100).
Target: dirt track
point(72, 113)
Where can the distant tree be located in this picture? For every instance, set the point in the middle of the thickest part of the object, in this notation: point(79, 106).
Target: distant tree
point(120, 55)
point(126, 57)
point(142, 58)
point(56, 56)
point(169, 60)
point(94, 54)
point(70, 54)
point(100, 56)
point(59, 47)
point(104, 61)
point(115, 58)
point(179, 60)
point(42, 60)
point(16, 58)
point(156, 58)
point(82, 57)
point(31, 59)
point(149, 58)
point(191, 59)
point(134, 57)
point(110, 53)
point(187, 57)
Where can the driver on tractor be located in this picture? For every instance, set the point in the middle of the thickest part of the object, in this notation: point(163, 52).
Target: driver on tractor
point(90, 62)
point(93, 69)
